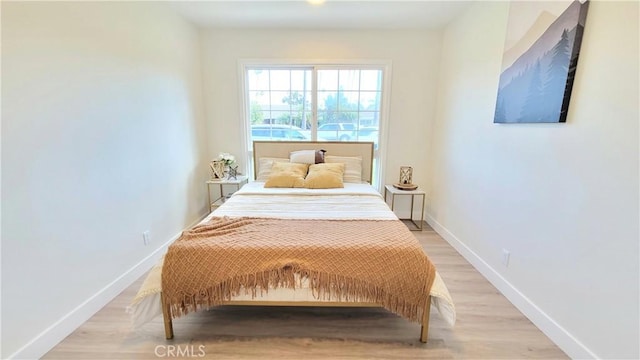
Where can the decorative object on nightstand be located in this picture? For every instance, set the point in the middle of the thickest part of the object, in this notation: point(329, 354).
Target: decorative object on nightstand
point(220, 166)
point(394, 190)
point(233, 172)
point(216, 168)
point(406, 175)
point(227, 158)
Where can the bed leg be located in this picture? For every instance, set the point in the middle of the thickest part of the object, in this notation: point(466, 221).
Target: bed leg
point(424, 330)
point(168, 324)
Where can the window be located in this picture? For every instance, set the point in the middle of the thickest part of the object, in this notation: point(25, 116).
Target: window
point(348, 102)
point(279, 103)
point(314, 103)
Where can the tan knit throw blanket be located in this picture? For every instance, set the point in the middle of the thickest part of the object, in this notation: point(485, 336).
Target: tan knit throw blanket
point(344, 260)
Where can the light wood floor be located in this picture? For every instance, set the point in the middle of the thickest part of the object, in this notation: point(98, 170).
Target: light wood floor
point(488, 327)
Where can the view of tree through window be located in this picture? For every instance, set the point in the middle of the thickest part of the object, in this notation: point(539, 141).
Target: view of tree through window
point(281, 103)
point(280, 97)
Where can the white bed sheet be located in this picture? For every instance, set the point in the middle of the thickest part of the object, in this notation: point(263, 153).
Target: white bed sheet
point(354, 201)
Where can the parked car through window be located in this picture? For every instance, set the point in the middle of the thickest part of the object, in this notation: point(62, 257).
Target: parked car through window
point(277, 132)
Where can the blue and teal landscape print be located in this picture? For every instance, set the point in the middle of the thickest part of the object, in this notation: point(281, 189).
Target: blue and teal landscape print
point(539, 68)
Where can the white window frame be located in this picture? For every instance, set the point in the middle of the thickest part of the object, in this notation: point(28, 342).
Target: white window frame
point(385, 65)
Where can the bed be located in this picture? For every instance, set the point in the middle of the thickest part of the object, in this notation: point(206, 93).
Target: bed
point(299, 247)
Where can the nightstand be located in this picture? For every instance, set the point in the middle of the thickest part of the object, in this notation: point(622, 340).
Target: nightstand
point(390, 189)
point(221, 183)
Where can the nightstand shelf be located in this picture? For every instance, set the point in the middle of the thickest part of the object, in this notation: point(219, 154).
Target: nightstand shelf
point(390, 189)
point(221, 183)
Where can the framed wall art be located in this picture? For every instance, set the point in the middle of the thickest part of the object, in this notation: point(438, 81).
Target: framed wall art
point(539, 61)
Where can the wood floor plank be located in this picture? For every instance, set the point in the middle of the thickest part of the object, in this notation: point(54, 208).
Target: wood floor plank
point(488, 327)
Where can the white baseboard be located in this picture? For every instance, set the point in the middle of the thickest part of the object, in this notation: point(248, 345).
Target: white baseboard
point(54, 334)
point(560, 336)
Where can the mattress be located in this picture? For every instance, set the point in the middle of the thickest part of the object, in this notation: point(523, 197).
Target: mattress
point(353, 202)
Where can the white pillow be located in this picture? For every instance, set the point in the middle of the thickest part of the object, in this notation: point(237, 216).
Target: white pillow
point(352, 167)
point(264, 167)
point(307, 156)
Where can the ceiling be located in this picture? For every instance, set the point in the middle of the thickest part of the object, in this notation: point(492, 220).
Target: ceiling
point(333, 14)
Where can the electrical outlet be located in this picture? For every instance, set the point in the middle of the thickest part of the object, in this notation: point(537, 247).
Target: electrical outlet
point(505, 257)
point(146, 237)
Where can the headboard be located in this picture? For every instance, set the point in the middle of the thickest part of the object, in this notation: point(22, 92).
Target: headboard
point(281, 149)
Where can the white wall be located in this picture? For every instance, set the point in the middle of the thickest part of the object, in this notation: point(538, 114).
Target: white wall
point(102, 139)
point(414, 55)
point(563, 198)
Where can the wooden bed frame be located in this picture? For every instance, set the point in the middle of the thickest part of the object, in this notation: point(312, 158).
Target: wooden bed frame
point(281, 149)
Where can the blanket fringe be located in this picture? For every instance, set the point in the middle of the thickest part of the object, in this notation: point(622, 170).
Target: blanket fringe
point(324, 286)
